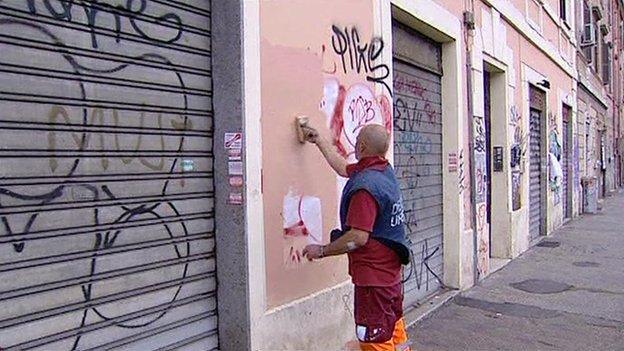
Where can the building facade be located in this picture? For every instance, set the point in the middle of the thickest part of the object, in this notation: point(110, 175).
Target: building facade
point(598, 83)
point(617, 37)
point(153, 194)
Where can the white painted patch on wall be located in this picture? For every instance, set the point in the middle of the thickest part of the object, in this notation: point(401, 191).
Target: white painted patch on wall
point(303, 225)
point(331, 90)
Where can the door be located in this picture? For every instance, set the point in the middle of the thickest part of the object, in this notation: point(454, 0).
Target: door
point(418, 156)
point(603, 164)
point(565, 163)
point(106, 188)
point(535, 174)
point(488, 154)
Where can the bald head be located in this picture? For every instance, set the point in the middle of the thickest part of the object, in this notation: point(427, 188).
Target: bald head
point(374, 140)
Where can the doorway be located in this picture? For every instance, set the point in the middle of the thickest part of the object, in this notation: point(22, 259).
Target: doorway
point(537, 184)
point(565, 162)
point(487, 111)
point(418, 134)
point(497, 171)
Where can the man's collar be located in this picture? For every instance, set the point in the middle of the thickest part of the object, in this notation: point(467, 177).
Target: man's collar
point(369, 162)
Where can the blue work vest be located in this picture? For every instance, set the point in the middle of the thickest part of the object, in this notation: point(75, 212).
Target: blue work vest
point(389, 228)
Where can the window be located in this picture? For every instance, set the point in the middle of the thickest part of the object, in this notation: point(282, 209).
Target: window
point(606, 63)
point(563, 10)
point(588, 36)
point(594, 57)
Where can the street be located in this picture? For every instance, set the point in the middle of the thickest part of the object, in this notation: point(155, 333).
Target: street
point(568, 295)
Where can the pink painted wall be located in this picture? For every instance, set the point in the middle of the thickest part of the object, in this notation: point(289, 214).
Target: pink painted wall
point(302, 74)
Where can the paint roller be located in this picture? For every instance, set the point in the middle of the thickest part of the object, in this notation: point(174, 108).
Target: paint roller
point(300, 123)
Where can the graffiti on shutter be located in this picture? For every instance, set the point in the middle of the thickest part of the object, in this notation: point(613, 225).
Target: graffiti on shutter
point(106, 241)
point(418, 162)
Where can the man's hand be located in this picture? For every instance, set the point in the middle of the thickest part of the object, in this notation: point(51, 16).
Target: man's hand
point(313, 252)
point(311, 135)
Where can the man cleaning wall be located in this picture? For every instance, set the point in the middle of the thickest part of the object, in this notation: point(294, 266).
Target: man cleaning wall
point(372, 235)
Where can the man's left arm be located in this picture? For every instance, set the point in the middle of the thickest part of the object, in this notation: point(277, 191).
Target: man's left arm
point(351, 240)
point(361, 217)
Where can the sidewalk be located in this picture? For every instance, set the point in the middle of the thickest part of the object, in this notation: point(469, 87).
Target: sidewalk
point(568, 297)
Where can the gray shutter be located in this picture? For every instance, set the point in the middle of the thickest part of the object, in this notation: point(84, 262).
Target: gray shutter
point(535, 175)
point(418, 158)
point(106, 183)
point(565, 164)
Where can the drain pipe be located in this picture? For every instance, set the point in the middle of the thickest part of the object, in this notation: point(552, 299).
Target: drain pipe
point(469, 26)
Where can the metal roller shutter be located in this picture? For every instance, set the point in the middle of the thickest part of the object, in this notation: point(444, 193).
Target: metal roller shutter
point(106, 179)
point(418, 158)
point(535, 175)
point(565, 163)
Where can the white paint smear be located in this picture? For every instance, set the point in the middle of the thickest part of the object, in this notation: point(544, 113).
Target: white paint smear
point(331, 89)
point(313, 219)
point(303, 225)
point(291, 209)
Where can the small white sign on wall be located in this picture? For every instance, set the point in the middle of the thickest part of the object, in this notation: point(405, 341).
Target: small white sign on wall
point(188, 165)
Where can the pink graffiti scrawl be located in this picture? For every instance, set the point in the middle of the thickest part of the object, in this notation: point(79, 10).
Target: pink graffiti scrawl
point(349, 110)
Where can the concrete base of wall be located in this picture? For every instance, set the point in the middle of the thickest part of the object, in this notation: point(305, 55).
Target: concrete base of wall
point(313, 323)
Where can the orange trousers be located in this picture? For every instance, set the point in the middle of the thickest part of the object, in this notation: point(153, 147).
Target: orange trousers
point(397, 343)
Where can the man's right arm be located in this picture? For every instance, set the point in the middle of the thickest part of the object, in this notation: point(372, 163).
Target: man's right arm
point(335, 160)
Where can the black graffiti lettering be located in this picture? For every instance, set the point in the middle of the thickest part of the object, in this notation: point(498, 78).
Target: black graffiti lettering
point(169, 17)
point(362, 56)
point(375, 50)
point(130, 11)
point(360, 62)
point(462, 172)
point(349, 48)
point(408, 117)
point(65, 4)
point(339, 43)
point(65, 14)
point(142, 6)
point(423, 269)
point(402, 115)
point(91, 13)
point(374, 53)
point(31, 7)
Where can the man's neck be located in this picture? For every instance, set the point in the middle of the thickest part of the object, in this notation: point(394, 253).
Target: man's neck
point(362, 157)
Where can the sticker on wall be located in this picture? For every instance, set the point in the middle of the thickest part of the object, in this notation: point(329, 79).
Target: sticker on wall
point(453, 162)
point(498, 159)
point(235, 154)
point(188, 165)
point(236, 181)
point(233, 140)
point(303, 225)
point(235, 168)
point(235, 199)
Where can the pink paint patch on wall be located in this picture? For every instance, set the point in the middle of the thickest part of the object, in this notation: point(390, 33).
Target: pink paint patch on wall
point(303, 225)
